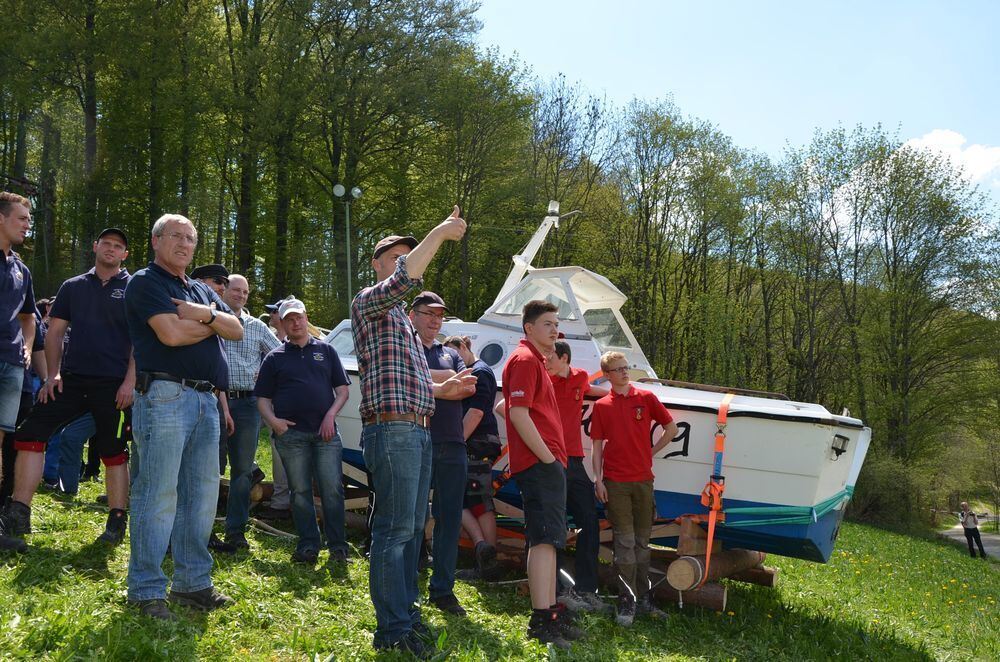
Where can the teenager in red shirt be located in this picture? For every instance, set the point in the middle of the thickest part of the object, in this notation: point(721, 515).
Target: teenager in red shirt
point(538, 463)
point(571, 386)
point(623, 474)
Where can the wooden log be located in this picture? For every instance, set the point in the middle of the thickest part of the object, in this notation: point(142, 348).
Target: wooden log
point(693, 540)
point(762, 576)
point(687, 572)
point(710, 596)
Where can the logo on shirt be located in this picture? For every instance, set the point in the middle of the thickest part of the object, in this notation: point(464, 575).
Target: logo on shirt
point(318, 356)
point(118, 294)
point(19, 277)
point(576, 394)
point(639, 411)
point(517, 394)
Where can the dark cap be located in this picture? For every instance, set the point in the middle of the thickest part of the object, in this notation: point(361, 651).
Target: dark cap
point(210, 271)
point(388, 242)
point(429, 299)
point(121, 233)
point(273, 307)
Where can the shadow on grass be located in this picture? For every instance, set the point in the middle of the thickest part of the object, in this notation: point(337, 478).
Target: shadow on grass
point(42, 565)
point(131, 636)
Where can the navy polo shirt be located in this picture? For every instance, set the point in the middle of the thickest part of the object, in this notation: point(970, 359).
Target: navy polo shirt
point(99, 345)
point(299, 381)
point(484, 398)
point(16, 297)
point(148, 293)
point(446, 423)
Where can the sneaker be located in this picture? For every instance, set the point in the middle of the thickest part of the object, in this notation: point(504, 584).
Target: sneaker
point(626, 610)
point(582, 602)
point(410, 643)
point(340, 556)
point(486, 556)
point(257, 475)
point(217, 545)
point(237, 540)
point(114, 530)
point(307, 556)
point(15, 520)
point(12, 544)
point(646, 607)
point(566, 623)
point(545, 629)
point(154, 609)
point(420, 629)
point(449, 604)
point(206, 599)
point(51, 485)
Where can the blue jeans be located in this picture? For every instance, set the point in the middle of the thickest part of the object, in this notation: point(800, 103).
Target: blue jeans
point(242, 450)
point(398, 456)
point(71, 441)
point(50, 470)
point(306, 456)
point(11, 380)
point(175, 489)
point(449, 477)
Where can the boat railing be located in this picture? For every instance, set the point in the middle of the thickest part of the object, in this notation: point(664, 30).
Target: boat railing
point(715, 389)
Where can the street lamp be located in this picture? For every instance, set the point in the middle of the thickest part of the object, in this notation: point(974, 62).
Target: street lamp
point(340, 192)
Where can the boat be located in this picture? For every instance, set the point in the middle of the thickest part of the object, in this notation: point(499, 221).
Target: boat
point(789, 467)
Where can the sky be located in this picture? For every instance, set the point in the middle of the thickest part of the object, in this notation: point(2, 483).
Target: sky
point(768, 74)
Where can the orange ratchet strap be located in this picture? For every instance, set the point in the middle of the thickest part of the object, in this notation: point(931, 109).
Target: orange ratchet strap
point(711, 496)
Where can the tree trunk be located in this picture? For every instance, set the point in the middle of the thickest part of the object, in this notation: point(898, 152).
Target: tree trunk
point(279, 275)
point(89, 99)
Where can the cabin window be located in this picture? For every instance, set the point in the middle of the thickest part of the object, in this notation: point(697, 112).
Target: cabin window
point(343, 342)
point(546, 289)
point(605, 329)
point(491, 354)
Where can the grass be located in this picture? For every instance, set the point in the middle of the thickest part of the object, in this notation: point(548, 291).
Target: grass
point(882, 596)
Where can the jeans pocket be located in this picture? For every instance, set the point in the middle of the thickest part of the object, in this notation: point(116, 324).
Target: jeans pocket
point(162, 390)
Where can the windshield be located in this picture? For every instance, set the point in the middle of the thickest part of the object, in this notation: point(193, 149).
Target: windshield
point(605, 329)
point(546, 289)
point(343, 342)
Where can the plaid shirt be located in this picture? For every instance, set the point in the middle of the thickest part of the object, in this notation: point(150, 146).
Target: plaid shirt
point(391, 362)
point(245, 355)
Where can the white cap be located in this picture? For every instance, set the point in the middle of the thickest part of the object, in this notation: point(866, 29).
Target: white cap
point(291, 306)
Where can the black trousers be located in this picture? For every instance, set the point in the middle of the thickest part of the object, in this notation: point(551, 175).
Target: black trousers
point(973, 535)
point(9, 452)
point(581, 506)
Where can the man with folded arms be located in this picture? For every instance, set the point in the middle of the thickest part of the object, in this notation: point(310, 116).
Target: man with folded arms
point(176, 328)
point(397, 400)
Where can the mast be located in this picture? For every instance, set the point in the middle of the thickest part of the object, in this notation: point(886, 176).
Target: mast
point(522, 261)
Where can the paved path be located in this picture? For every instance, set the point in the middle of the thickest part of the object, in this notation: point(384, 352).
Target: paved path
point(991, 541)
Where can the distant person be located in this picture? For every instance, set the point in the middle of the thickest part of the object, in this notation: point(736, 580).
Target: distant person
point(970, 524)
point(538, 462)
point(623, 473)
point(279, 506)
point(301, 388)
point(397, 400)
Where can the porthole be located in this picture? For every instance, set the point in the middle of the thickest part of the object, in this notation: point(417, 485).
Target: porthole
point(491, 354)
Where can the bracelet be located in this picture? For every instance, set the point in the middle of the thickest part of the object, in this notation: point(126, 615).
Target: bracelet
point(211, 319)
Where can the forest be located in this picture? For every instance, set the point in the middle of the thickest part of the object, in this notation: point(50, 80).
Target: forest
point(851, 271)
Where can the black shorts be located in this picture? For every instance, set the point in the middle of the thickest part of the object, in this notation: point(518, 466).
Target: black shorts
point(543, 492)
point(81, 395)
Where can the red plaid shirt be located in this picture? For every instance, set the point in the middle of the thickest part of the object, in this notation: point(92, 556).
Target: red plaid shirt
point(391, 362)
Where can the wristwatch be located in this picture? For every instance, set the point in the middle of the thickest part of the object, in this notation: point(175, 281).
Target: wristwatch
point(210, 319)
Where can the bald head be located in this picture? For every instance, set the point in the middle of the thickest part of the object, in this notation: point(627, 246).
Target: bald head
point(237, 293)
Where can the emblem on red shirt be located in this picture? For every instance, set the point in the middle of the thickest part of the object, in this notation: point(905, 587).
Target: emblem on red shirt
point(639, 411)
point(576, 394)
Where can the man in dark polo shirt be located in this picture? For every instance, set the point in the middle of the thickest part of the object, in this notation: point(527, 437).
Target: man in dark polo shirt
point(449, 465)
point(177, 330)
point(17, 322)
point(301, 388)
point(95, 374)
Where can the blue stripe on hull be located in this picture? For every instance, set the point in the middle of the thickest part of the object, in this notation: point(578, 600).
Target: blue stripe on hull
point(812, 542)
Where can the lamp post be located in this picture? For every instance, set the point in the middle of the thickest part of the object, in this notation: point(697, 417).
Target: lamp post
point(340, 192)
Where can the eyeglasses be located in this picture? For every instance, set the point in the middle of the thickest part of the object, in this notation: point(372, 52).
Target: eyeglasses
point(429, 314)
point(181, 237)
point(220, 280)
point(621, 371)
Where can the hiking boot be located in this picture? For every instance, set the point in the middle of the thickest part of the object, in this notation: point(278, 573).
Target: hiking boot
point(12, 544)
point(583, 602)
point(206, 599)
point(154, 609)
point(646, 607)
point(566, 622)
point(449, 603)
point(217, 545)
point(307, 556)
point(15, 520)
point(114, 530)
point(544, 628)
point(340, 556)
point(410, 643)
point(237, 540)
point(625, 612)
point(486, 557)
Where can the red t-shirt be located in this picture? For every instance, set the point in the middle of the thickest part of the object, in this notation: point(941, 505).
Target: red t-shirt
point(624, 422)
point(570, 391)
point(527, 384)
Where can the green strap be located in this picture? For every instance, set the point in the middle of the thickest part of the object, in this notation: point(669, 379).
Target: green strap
point(789, 514)
point(121, 423)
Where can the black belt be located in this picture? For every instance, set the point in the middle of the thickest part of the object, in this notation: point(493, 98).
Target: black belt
point(234, 395)
point(196, 384)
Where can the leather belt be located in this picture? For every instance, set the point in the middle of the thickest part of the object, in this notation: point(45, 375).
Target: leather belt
point(196, 384)
point(234, 395)
point(420, 419)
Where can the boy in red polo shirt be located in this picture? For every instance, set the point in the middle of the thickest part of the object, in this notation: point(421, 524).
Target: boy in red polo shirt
point(623, 471)
point(572, 385)
point(537, 461)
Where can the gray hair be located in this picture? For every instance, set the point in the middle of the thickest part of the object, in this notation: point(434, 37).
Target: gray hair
point(161, 224)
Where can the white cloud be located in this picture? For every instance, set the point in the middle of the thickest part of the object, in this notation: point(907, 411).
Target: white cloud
point(981, 163)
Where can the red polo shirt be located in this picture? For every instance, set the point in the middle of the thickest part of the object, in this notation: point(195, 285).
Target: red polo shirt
point(527, 384)
point(570, 391)
point(624, 422)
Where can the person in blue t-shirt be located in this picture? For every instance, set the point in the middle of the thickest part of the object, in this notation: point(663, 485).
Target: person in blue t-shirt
point(301, 388)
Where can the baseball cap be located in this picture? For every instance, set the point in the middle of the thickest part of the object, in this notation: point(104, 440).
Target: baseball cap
point(429, 299)
point(210, 271)
point(291, 306)
point(121, 233)
point(273, 307)
point(388, 242)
